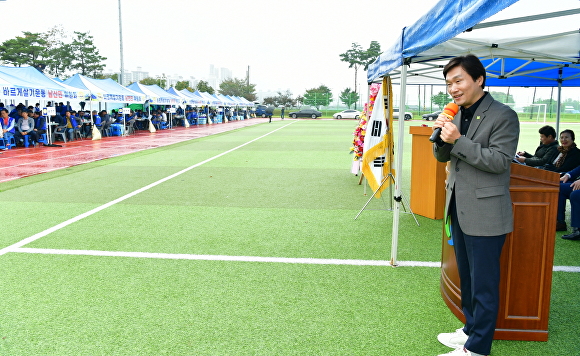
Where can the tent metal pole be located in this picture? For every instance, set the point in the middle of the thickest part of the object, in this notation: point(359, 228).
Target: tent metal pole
point(399, 165)
point(558, 108)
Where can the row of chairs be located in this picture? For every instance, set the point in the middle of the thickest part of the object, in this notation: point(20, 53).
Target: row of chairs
point(113, 130)
point(7, 143)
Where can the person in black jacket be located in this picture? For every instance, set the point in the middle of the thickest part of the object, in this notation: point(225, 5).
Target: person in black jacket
point(568, 156)
point(269, 113)
point(546, 151)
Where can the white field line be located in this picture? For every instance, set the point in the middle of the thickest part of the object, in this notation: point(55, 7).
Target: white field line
point(311, 261)
point(127, 196)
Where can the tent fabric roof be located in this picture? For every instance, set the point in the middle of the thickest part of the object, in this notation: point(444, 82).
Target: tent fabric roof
point(210, 98)
point(184, 97)
point(197, 99)
point(540, 59)
point(29, 83)
point(164, 97)
point(154, 93)
point(106, 90)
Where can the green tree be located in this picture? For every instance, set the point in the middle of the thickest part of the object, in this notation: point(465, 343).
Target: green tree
point(371, 54)
point(441, 99)
point(270, 101)
point(238, 87)
point(113, 76)
point(59, 59)
point(203, 86)
point(299, 101)
point(356, 57)
point(28, 49)
point(502, 97)
point(283, 98)
point(348, 97)
point(317, 97)
point(183, 84)
point(86, 58)
point(159, 81)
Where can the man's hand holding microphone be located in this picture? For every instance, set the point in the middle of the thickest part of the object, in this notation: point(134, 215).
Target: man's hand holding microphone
point(444, 128)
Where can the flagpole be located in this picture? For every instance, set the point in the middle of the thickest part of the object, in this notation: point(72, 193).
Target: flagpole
point(122, 76)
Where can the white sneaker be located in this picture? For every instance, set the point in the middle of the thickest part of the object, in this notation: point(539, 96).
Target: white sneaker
point(462, 351)
point(458, 352)
point(454, 340)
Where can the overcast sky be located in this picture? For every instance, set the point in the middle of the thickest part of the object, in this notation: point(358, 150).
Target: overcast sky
point(287, 44)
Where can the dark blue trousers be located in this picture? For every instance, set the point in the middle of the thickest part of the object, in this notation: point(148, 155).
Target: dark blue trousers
point(479, 273)
point(566, 192)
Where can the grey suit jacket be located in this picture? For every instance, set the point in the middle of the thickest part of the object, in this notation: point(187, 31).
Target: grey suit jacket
point(480, 169)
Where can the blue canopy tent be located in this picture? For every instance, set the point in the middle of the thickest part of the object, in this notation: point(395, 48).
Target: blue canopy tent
point(197, 99)
point(213, 101)
point(184, 98)
point(16, 88)
point(155, 94)
point(105, 90)
point(546, 54)
point(29, 83)
point(164, 97)
point(227, 101)
point(236, 100)
point(246, 101)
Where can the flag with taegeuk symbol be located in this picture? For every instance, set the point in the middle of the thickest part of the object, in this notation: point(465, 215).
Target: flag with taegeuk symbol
point(378, 155)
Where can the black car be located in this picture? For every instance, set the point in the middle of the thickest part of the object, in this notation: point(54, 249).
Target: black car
point(305, 113)
point(432, 116)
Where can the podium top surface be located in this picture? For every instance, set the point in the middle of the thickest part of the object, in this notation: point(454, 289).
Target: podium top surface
point(421, 130)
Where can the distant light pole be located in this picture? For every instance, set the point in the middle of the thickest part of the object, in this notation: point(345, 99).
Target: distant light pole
point(122, 76)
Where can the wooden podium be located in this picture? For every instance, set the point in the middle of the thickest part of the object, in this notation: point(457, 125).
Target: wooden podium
point(427, 176)
point(526, 260)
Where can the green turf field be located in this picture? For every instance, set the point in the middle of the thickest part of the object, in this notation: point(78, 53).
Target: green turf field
point(241, 243)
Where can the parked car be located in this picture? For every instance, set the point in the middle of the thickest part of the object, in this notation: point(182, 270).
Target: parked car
point(408, 115)
point(347, 114)
point(432, 116)
point(305, 113)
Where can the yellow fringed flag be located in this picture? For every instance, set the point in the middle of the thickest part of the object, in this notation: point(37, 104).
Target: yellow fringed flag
point(380, 155)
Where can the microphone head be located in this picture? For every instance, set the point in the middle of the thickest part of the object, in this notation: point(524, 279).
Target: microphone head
point(451, 109)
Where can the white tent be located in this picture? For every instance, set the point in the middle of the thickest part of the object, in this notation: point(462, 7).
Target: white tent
point(517, 46)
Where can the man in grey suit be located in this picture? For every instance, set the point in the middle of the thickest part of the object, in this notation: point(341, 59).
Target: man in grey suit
point(479, 143)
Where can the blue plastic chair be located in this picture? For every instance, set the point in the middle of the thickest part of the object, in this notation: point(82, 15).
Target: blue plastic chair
point(42, 139)
point(8, 142)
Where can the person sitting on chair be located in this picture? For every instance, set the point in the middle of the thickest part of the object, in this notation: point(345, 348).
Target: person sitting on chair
point(569, 189)
point(568, 156)
point(71, 125)
point(39, 123)
point(25, 127)
point(7, 124)
point(547, 149)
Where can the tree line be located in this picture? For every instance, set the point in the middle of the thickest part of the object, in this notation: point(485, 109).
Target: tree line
point(60, 54)
point(54, 52)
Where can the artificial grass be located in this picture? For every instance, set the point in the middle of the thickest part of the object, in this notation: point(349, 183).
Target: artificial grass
point(289, 194)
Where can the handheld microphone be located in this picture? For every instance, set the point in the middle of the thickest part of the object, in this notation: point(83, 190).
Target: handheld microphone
point(450, 111)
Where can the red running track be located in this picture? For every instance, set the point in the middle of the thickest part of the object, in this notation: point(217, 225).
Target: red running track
point(22, 162)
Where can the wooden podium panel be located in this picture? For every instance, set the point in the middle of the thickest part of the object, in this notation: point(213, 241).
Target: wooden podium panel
point(526, 261)
point(427, 176)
